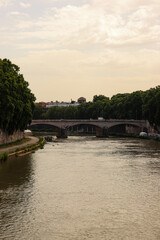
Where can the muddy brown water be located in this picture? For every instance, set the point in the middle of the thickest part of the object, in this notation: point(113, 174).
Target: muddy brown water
point(83, 188)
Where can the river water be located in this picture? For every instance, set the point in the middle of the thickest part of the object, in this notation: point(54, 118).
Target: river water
point(83, 188)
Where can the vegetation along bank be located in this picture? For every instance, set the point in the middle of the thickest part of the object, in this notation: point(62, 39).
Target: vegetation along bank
point(16, 102)
point(139, 105)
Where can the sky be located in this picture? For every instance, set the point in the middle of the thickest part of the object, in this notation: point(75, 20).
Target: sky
point(72, 48)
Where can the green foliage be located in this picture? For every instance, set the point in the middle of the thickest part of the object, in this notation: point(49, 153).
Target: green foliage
point(41, 142)
point(16, 154)
point(41, 145)
point(38, 112)
point(127, 106)
point(61, 113)
point(137, 105)
point(151, 105)
point(16, 99)
point(100, 98)
point(4, 156)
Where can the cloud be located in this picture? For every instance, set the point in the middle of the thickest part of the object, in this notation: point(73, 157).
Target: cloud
point(125, 6)
point(24, 25)
point(5, 3)
point(15, 13)
point(93, 24)
point(101, 44)
point(25, 5)
point(89, 27)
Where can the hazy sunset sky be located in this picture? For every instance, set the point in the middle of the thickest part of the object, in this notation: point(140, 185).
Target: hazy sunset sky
point(72, 48)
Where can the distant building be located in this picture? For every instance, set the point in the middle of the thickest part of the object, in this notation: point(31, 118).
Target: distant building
point(47, 105)
point(62, 104)
point(43, 104)
point(81, 100)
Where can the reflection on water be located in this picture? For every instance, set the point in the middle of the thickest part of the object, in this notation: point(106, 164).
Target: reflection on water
point(15, 191)
point(83, 188)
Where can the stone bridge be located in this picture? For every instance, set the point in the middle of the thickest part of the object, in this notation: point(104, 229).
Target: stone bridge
point(102, 126)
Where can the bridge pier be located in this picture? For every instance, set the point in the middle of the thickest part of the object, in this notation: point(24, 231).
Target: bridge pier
point(102, 132)
point(61, 133)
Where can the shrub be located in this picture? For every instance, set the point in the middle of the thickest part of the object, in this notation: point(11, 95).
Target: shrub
point(4, 156)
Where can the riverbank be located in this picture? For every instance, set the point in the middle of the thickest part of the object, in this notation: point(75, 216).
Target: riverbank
point(155, 137)
point(26, 146)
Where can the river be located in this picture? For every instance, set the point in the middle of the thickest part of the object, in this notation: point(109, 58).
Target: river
point(83, 188)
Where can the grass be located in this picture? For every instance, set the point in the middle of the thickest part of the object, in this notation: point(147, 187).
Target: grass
point(18, 142)
point(21, 150)
point(34, 147)
point(4, 156)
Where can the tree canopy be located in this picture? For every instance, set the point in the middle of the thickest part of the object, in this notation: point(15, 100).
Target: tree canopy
point(99, 98)
point(136, 105)
point(16, 99)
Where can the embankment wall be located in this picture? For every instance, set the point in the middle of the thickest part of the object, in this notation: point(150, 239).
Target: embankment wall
point(5, 138)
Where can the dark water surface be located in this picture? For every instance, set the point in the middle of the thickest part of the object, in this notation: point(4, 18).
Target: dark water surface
point(83, 188)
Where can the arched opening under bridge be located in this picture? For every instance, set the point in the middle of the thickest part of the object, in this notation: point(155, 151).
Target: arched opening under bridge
point(87, 129)
point(44, 129)
point(82, 129)
point(124, 128)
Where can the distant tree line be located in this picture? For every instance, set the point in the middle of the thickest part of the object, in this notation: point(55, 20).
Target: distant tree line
point(16, 99)
point(137, 105)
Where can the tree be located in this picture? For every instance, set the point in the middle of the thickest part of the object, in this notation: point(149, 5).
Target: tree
point(38, 112)
point(151, 105)
point(16, 99)
point(99, 98)
point(136, 105)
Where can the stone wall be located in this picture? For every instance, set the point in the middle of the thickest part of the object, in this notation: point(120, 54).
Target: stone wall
point(5, 138)
point(133, 129)
point(158, 128)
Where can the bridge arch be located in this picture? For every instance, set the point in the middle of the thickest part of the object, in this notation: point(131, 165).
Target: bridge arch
point(59, 131)
point(43, 127)
point(87, 128)
point(33, 125)
point(45, 122)
point(121, 122)
point(125, 128)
